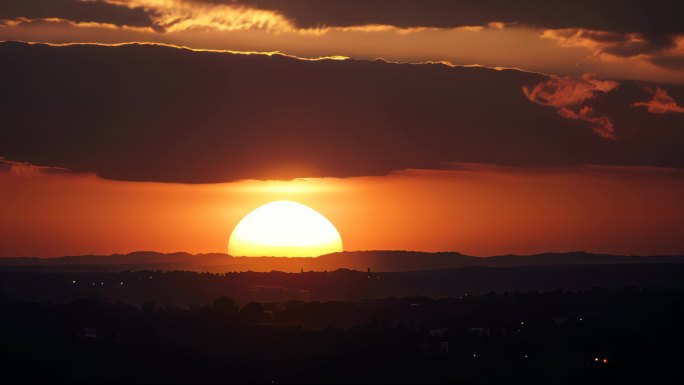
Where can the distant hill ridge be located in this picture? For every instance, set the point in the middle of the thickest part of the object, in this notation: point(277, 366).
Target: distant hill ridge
point(376, 260)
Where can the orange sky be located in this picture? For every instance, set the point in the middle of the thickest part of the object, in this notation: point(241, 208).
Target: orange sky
point(474, 209)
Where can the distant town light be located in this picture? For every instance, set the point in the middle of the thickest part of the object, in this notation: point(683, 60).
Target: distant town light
point(74, 281)
point(605, 360)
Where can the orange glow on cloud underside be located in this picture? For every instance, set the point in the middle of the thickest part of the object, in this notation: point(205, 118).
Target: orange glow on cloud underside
point(482, 210)
point(241, 29)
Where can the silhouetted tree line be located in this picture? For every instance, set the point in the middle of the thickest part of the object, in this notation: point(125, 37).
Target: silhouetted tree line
point(596, 336)
point(186, 288)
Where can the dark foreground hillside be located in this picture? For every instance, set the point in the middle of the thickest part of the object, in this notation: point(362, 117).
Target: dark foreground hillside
point(564, 324)
point(630, 336)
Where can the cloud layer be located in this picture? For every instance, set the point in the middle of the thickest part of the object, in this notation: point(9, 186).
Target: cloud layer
point(77, 11)
point(648, 17)
point(569, 95)
point(641, 40)
point(633, 27)
point(154, 113)
point(660, 103)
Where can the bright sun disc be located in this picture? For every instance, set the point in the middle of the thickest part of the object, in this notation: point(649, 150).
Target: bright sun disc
point(284, 229)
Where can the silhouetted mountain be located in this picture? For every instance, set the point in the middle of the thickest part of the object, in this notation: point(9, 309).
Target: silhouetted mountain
point(135, 258)
point(377, 261)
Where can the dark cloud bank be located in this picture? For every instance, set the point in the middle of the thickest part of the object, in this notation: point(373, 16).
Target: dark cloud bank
point(76, 11)
point(658, 23)
point(142, 112)
point(652, 17)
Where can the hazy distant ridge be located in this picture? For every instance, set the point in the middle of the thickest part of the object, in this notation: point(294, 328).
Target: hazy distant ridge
point(380, 260)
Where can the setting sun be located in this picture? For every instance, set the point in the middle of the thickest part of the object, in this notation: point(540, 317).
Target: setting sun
point(284, 229)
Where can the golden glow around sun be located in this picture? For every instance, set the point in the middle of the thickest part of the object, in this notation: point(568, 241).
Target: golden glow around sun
point(284, 229)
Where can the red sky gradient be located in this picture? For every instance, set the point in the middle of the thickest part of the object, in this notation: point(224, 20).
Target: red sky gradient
point(475, 209)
